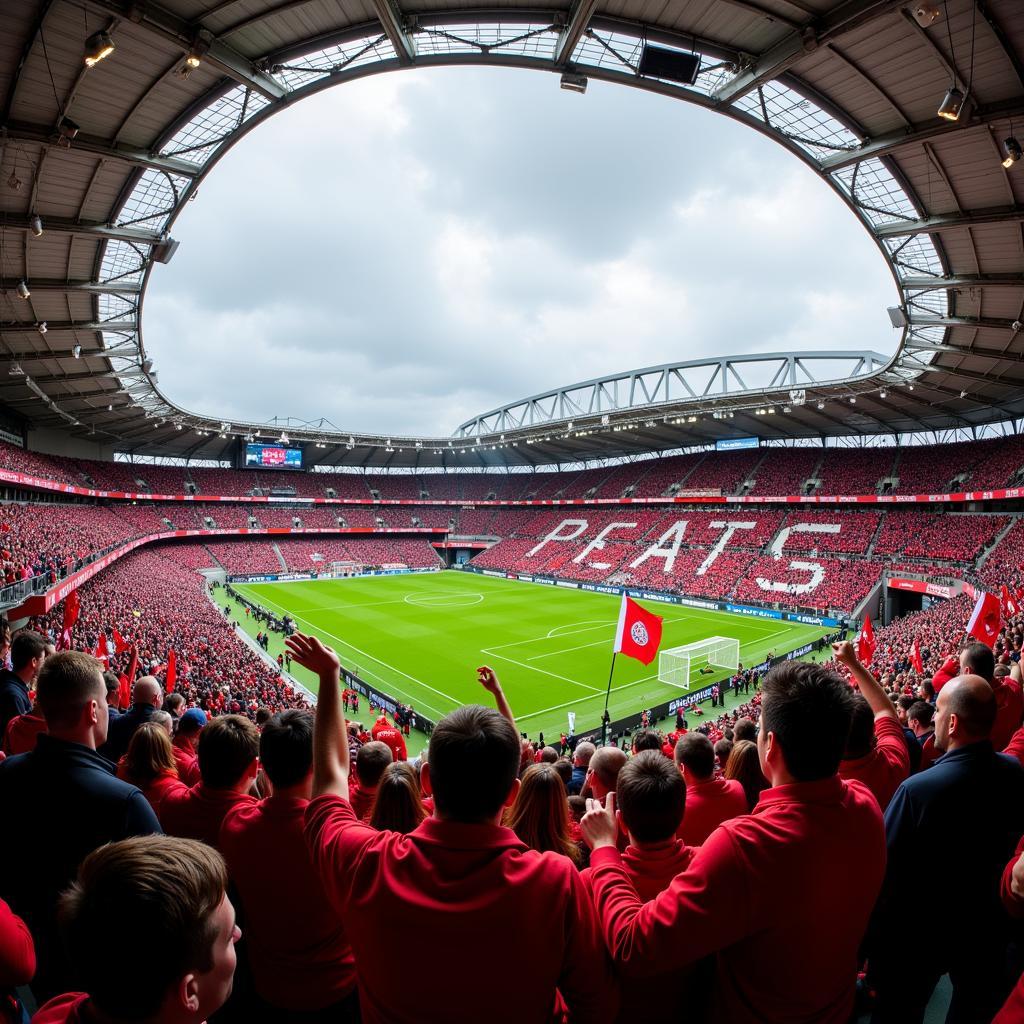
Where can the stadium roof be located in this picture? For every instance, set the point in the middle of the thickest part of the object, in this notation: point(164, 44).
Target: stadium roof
point(106, 157)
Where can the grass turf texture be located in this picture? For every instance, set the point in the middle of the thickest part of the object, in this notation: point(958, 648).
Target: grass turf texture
point(420, 639)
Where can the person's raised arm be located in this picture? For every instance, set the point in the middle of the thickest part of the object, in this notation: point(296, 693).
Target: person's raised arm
point(330, 737)
point(870, 688)
point(489, 681)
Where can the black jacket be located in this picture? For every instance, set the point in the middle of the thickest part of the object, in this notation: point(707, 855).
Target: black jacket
point(122, 729)
point(14, 699)
point(59, 802)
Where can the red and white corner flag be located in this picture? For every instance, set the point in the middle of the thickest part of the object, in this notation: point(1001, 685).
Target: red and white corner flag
point(984, 622)
point(866, 642)
point(639, 632)
point(916, 661)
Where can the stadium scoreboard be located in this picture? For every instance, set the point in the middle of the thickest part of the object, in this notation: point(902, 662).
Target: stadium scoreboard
point(271, 456)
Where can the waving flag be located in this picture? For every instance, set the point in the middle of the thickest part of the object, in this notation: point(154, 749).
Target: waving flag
point(639, 632)
point(124, 694)
point(1008, 601)
point(984, 621)
point(866, 642)
point(71, 606)
point(101, 650)
point(915, 657)
point(120, 644)
point(172, 672)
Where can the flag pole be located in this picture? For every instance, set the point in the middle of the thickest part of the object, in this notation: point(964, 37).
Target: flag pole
point(608, 692)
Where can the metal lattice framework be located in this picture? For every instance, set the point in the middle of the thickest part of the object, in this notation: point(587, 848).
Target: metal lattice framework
point(825, 79)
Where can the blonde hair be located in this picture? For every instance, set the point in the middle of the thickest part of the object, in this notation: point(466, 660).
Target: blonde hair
point(149, 755)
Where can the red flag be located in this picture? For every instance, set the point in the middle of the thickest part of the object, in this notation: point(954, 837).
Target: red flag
point(120, 644)
point(1008, 602)
point(101, 649)
point(172, 672)
point(866, 642)
point(64, 643)
point(984, 621)
point(915, 657)
point(124, 694)
point(71, 605)
point(639, 632)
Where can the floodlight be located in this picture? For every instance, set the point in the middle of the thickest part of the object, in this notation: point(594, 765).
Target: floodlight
point(952, 105)
point(36, 224)
point(41, 327)
point(853, 401)
point(1011, 152)
point(197, 51)
point(963, 394)
point(164, 250)
point(23, 290)
point(573, 83)
point(98, 46)
point(883, 393)
point(926, 14)
point(15, 370)
point(897, 316)
point(77, 351)
point(147, 365)
point(67, 129)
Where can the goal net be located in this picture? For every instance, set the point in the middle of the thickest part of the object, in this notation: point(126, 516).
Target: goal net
point(676, 664)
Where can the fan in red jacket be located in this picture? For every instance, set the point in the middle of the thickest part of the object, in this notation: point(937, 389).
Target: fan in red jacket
point(460, 881)
point(762, 894)
point(172, 892)
point(17, 962)
point(385, 732)
point(709, 801)
point(652, 798)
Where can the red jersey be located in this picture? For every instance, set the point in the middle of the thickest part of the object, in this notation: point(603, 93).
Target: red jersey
point(301, 959)
point(387, 733)
point(472, 892)
point(187, 761)
point(1013, 1009)
point(1015, 748)
point(886, 766)
point(1010, 710)
point(17, 952)
point(708, 804)
point(761, 893)
point(21, 733)
point(362, 802)
point(199, 812)
point(65, 1009)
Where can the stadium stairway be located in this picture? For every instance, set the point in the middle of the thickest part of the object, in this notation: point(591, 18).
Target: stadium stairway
point(280, 557)
point(983, 557)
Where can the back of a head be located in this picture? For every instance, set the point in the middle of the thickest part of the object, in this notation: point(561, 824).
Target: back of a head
point(548, 755)
point(474, 758)
point(286, 747)
point(651, 796)
point(157, 889)
point(111, 682)
point(1001, 672)
point(164, 720)
point(977, 659)
point(606, 764)
point(860, 738)
point(564, 768)
point(646, 739)
point(744, 765)
point(26, 645)
point(973, 701)
point(807, 708)
point(174, 704)
point(371, 760)
point(905, 702)
point(744, 729)
point(226, 749)
point(147, 690)
point(149, 754)
point(723, 748)
point(540, 814)
point(695, 753)
point(583, 753)
point(921, 712)
point(67, 682)
point(398, 806)
point(263, 716)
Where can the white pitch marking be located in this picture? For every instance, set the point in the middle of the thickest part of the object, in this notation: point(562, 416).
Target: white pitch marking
point(554, 675)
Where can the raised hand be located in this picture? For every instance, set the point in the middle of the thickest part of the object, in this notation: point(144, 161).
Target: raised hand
point(309, 652)
point(845, 653)
point(488, 679)
point(599, 825)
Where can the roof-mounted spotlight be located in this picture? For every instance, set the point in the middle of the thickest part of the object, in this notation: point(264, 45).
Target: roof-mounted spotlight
point(23, 290)
point(67, 130)
point(77, 351)
point(98, 47)
point(147, 365)
point(897, 316)
point(952, 105)
point(35, 224)
point(41, 327)
point(963, 394)
point(197, 51)
point(15, 370)
point(573, 83)
point(926, 14)
point(883, 393)
point(283, 438)
point(164, 250)
point(821, 405)
point(853, 400)
point(1011, 151)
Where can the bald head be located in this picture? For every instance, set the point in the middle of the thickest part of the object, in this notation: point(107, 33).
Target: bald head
point(147, 691)
point(964, 713)
point(605, 766)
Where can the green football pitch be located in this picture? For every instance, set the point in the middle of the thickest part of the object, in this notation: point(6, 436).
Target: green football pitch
point(420, 638)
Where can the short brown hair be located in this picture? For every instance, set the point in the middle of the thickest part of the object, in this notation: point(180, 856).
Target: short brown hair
point(474, 758)
point(651, 796)
point(67, 682)
point(159, 889)
point(695, 753)
point(227, 746)
point(371, 760)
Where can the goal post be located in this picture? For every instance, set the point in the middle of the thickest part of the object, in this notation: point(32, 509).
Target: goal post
point(676, 664)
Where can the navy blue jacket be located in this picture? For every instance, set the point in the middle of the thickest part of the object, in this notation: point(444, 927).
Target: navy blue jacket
point(576, 780)
point(60, 802)
point(961, 818)
point(14, 699)
point(122, 728)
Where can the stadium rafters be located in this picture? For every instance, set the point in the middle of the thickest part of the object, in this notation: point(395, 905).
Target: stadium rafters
point(96, 165)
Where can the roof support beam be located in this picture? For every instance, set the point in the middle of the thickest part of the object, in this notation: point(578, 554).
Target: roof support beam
point(964, 281)
point(393, 23)
point(173, 29)
point(103, 148)
point(885, 145)
point(92, 287)
point(788, 51)
point(945, 221)
point(981, 322)
point(116, 326)
point(32, 356)
point(102, 232)
point(579, 18)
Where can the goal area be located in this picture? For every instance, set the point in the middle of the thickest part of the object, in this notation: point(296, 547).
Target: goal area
point(676, 664)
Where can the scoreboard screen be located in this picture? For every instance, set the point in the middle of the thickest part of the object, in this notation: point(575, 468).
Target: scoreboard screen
point(272, 456)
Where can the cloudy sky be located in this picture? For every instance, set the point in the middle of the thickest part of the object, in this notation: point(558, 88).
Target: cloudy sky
point(404, 252)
